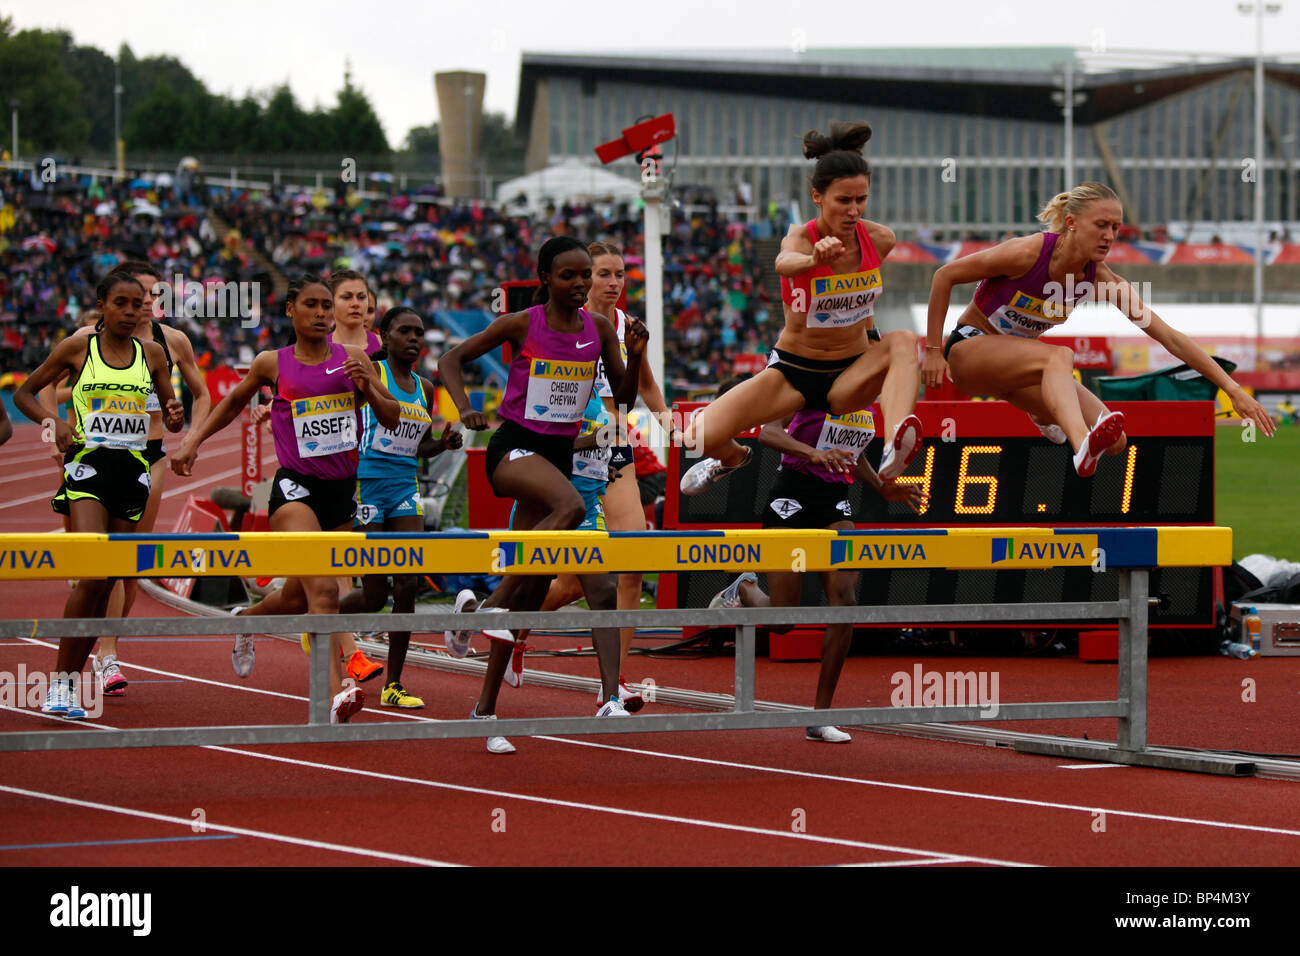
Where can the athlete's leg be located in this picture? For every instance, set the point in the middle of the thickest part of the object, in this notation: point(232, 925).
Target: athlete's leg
point(1005, 364)
point(1030, 400)
point(623, 512)
point(886, 370)
point(841, 591)
point(766, 397)
point(322, 593)
point(602, 595)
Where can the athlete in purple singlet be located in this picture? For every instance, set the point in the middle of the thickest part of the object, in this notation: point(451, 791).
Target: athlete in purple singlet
point(1028, 285)
point(319, 385)
point(555, 345)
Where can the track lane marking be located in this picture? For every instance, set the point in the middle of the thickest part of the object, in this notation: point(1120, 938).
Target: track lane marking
point(805, 774)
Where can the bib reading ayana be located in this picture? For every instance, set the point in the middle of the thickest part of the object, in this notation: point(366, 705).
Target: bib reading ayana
point(119, 421)
point(850, 432)
point(838, 301)
point(558, 391)
point(405, 439)
point(325, 425)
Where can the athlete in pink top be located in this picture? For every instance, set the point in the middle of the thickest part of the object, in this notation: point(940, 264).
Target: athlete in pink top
point(1029, 284)
point(825, 359)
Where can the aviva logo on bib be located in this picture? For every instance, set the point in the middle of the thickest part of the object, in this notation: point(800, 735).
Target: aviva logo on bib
point(842, 285)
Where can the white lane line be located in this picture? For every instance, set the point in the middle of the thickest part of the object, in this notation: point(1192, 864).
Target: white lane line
point(936, 861)
point(54, 467)
point(807, 774)
point(188, 822)
point(1088, 766)
point(549, 801)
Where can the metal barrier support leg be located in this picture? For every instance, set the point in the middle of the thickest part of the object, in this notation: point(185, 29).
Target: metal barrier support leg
point(745, 669)
point(318, 706)
point(1133, 587)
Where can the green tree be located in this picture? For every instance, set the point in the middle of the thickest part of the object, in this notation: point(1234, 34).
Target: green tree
point(152, 124)
point(355, 129)
point(32, 72)
point(93, 71)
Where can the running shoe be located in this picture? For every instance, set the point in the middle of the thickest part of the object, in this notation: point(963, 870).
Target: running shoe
point(1104, 434)
point(110, 676)
point(244, 654)
point(612, 708)
point(395, 695)
point(362, 668)
point(515, 672)
point(729, 597)
point(829, 735)
point(347, 704)
point(904, 447)
point(703, 475)
point(61, 700)
point(458, 641)
point(1053, 433)
point(632, 699)
point(495, 745)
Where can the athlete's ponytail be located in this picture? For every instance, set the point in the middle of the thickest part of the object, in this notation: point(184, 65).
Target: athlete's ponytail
point(555, 246)
point(838, 155)
point(1073, 203)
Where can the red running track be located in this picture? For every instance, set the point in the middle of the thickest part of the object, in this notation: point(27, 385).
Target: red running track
point(737, 798)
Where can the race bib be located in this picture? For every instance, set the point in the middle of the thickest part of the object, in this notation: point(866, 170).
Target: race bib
point(325, 425)
point(850, 432)
point(117, 422)
point(558, 391)
point(405, 439)
point(291, 490)
point(1028, 316)
point(366, 514)
point(152, 404)
point(838, 301)
point(79, 471)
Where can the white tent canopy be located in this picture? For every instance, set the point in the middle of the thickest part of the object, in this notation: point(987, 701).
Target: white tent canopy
point(566, 182)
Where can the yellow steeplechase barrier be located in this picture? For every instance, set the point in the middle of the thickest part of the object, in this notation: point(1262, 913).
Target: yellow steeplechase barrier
point(1132, 552)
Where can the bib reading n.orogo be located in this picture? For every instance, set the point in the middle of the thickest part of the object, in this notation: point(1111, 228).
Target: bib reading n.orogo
point(116, 420)
point(325, 425)
point(405, 439)
point(850, 432)
point(1029, 317)
point(838, 300)
point(558, 391)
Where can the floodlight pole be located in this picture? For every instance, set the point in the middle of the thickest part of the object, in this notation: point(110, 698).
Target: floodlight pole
point(1259, 8)
point(652, 193)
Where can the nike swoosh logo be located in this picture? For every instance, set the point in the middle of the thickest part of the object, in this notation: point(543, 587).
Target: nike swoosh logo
point(583, 345)
point(331, 371)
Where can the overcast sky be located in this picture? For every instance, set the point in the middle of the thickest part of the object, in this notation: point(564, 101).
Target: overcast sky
point(395, 46)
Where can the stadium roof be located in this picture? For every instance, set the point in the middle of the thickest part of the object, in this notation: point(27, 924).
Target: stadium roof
point(1013, 82)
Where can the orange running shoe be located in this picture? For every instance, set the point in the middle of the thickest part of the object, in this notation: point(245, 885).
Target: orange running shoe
point(361, 668)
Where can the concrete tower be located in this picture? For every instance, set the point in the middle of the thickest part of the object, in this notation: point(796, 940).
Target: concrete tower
point(460, 131)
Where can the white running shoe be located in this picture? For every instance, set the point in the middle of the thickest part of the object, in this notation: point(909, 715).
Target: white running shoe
point(458, 641)
point(1104, 434)
point(899, 452)
point(829, 735)
point(244, 654)
point(495, 745)
point(60, 699)
point(1053, 433)
point(729, 597)
point(632, 699)
point(515, 669)
point(703, 475)
point(496, 633)
point(612, 708)
point(347, 703)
